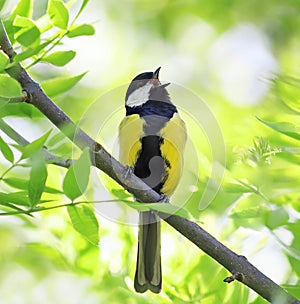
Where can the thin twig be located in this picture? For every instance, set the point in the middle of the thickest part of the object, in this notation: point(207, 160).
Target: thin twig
point(19, 139)
point(42, 208)
point(13, 99)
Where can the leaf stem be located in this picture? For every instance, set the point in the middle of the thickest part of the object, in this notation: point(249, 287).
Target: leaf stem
point(9, 169)
point(60, 35)
point(39, 209)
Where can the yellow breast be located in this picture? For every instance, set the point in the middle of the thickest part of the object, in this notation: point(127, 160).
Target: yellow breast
point(174, 135)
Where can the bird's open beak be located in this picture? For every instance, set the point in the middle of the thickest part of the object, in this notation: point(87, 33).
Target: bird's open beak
point(156, 73)
point(155, 80)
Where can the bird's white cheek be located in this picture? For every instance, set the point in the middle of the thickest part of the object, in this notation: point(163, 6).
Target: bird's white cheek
point(139, 96)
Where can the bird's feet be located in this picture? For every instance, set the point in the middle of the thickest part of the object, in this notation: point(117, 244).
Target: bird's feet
point(163, 199)
point(127, 172)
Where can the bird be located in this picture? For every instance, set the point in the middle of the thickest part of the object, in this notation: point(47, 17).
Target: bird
point(152, 137)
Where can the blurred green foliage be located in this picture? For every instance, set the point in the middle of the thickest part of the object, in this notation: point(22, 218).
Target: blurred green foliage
point(241, 57)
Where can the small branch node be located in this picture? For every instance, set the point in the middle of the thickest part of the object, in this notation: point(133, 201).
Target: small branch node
point(236, 276)
point(96, 148)
point(243, 257)
point(26, 96)
point(69, 162)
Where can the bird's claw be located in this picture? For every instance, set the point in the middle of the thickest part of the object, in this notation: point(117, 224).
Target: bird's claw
point(127, 172)
point(163, 199)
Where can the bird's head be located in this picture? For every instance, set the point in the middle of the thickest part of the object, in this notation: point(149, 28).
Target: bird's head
point(146, 86)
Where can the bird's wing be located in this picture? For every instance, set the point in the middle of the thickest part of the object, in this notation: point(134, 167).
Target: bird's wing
point(174, 136)
point(130, 133)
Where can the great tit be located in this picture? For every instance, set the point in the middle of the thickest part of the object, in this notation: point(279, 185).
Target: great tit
point(152, 137)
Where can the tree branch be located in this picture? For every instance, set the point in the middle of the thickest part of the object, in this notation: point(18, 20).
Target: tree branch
point(238, 265)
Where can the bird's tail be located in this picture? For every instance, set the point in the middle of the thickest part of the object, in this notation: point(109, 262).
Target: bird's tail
point(148, 267)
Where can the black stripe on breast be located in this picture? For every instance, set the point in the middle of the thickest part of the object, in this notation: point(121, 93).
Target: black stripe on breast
point(150, 166)
point(153, 107)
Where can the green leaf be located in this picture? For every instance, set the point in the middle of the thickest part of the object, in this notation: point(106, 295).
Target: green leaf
point(85, 222)
point(31, 51)
point(60, 85)
point(23, 8)
point(62, 136)
point(38, 177)
point(2, 2)
point(27, 33)
point(288, 89)
point(162, 207)
point(291, 155)
point(120, 194)
point(259, 300)
point(9, 87)
point(236, 188)
point(294, 290)
point(44, 253)
point(6, 151)
point(81, 30)
point(83, 5)
point(77, 177)
point(276, 218)
point(285, 128)
point(35, 146)
point(295, 263)
point(170, 209)
point(294, 228)
point(253, 212)
point(22, 184)
point(20, 109)
point(57, 138)
point(15, 198)
point(60, 58)
point(241, 186)
point(58, 13)
point(4, 61)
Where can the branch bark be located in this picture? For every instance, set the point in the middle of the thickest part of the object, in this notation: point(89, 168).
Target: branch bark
point(238, 265)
